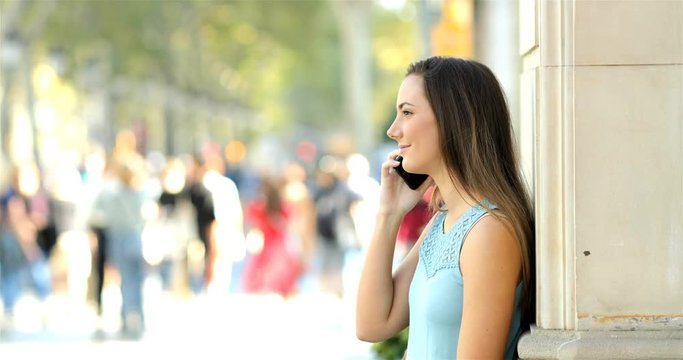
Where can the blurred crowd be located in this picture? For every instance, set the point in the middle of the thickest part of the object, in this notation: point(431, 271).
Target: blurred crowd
point(198, 224)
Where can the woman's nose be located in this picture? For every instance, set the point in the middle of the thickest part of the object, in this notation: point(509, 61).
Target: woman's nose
point(392, 132)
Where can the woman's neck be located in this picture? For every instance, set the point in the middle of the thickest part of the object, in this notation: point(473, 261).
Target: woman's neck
point(454, 196)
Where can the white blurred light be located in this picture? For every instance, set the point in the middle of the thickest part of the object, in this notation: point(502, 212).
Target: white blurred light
point(255, 241)
point(408, 13)
point(392, 4)
point(358, 164)
point(29, 179)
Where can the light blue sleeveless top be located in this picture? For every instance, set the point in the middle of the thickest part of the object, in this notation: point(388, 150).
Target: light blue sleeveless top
point(436, 292)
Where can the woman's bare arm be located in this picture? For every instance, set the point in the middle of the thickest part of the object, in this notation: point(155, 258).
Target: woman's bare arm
point(382, 308)
point(491, 265)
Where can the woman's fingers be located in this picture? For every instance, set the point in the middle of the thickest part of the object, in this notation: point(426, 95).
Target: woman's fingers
point(391, 162)
point(393, 154)
point(389, 165)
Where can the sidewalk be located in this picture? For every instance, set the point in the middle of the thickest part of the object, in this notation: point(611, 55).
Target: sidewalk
point(235, 326)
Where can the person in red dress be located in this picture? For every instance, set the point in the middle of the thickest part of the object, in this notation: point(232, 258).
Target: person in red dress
point(274, 268)
point(412, 226)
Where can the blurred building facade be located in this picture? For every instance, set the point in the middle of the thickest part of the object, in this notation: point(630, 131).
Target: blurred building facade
point(601, 128)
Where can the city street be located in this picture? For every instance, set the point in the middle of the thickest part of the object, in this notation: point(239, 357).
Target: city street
point(234, 326)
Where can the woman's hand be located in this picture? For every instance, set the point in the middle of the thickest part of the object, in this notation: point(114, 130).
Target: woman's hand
point(382, 303)
point(395, 195)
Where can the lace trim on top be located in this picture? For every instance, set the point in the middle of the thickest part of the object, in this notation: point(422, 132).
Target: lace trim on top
point(441, 250)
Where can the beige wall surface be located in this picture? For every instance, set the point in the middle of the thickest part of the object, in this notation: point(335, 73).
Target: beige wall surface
point(602, 139)
point(628, 32)
point(629, 190)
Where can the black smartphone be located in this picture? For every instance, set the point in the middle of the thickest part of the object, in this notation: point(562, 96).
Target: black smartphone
point(413, 180)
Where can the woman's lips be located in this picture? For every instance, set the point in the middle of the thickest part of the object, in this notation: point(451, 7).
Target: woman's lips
point(402, 149)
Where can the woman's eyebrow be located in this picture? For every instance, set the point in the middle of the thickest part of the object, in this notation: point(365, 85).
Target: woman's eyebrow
point(404, 103)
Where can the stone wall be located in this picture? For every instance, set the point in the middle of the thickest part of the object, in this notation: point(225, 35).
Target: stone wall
point(601, 131)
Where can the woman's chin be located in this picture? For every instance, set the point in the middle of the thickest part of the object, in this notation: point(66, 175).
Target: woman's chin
point(412, 169)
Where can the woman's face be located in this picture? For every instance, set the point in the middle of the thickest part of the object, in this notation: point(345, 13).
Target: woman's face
point(415, 129)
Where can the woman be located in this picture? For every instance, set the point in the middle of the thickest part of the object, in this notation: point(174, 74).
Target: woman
point(24, 212)
point(118, 209)
point(275, 268)
point(466, 288)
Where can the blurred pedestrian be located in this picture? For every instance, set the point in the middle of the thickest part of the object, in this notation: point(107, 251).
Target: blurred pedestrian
point(334, 223)
point(411, 227)
point(364, 208)
point(466, 287)
point(202, 202)
point(24, 212)
point(96, 178)
point(226, 231)
point(119, 210)
point(366, 187)
point(168, 234)
point(275, 265)
point(299, 198)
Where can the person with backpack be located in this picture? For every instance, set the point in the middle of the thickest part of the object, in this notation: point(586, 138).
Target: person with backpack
point(336, 232)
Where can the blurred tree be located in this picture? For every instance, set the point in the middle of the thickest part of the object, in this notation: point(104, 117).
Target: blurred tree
point(268, 55)
point(224, 68)
point(394, 45)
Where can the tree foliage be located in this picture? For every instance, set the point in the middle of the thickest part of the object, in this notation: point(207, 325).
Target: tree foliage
point(280, 59)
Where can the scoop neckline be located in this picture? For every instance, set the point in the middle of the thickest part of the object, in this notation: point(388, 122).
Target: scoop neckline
point(456, 223)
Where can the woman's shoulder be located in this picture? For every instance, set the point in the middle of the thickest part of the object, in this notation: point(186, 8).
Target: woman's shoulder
point(491, 244)
point(493, 229)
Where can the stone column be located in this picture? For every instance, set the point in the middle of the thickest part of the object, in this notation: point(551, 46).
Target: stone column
point(602, 140)
point(496, 37)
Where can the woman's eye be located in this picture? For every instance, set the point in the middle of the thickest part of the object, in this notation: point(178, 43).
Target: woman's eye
point(406, 112)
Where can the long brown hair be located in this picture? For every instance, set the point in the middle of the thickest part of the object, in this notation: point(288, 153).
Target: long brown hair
point(478, 147)
point(271, 193)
